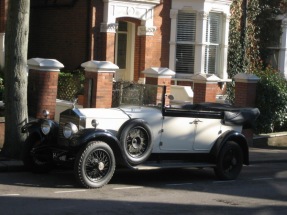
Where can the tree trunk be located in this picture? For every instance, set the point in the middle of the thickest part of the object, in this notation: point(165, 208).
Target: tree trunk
point(15, 70)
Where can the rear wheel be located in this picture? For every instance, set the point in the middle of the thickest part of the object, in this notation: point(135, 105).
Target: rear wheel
point(36, 157)
point(229, 162)
point(95, 165)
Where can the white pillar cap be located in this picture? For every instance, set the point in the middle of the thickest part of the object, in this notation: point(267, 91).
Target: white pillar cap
point(99, 66)
point(246, 78)
point(43, 64)
point(158, 72)
point(205, 78)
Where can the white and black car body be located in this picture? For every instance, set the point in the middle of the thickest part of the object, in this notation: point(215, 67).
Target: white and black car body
point(97, 141)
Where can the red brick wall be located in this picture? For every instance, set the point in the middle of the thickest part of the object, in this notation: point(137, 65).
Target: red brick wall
point(77, 39)
point(3, 12)
point(157, 46)
point(101, 89)
point(245, 94)
point(204, 92)
point(110, 47)
point(60, 33)
point(42, 92)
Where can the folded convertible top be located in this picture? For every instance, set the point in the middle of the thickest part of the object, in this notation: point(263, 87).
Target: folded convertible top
point(231, 115)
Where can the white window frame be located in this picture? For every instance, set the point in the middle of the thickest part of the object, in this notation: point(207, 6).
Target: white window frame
point(184, 39)
point(211, 43)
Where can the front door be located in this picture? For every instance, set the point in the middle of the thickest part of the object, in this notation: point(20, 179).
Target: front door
point(125, 40)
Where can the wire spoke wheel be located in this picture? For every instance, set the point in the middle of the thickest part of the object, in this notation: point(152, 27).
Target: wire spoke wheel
point(98, 165)
point(95, 165)
point(137, 142)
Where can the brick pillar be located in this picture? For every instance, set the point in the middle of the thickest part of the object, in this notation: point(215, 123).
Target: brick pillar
point(98, 87)
point(159, 76)
point(205, 88)
point(245, 96)
point(42, 86)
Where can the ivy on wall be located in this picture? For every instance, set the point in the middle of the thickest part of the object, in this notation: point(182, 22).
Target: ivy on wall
point(251, 34)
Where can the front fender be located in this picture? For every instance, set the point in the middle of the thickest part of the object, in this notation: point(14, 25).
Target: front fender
point(83, 137)
point(35, 127)
point(31, 127)
point(231, 136)
point(87, 135)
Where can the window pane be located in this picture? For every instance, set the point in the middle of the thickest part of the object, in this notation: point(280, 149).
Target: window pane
point(122, 50)
point(185, 58)
point(185, 48)
point(210, 59)
point(213, 41)
point(123, 26)
point(212, 27)
point(186, 26)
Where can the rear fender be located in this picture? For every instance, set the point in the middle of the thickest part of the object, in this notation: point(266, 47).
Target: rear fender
point(83, 137)
point(231, 136)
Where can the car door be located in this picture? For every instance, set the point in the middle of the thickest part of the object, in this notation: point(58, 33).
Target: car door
point(177, 134)
point(189, 131)
point(207, 131)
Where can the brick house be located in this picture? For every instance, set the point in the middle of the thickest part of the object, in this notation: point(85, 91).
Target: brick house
point(190, 37)
point(187, 36)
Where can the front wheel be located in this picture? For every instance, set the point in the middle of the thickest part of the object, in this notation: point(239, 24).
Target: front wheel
point(95, 165)
point(229, 162)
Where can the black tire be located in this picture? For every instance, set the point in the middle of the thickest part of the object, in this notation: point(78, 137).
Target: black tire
point(35, 160)
point(229, 162)
point(95, 165)
point(136, 141)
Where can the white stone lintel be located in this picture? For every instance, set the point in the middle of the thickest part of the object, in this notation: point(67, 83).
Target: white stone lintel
point(146, 31)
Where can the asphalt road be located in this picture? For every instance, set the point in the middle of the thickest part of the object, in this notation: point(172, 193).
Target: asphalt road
point(260, 189)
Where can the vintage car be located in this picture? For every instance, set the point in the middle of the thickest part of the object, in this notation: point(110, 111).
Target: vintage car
point(143, 132)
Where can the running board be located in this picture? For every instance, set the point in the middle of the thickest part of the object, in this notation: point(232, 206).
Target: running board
point(167, 165)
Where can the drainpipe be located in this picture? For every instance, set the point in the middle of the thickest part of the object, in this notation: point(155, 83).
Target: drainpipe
point(244, 34)
point(89, 28)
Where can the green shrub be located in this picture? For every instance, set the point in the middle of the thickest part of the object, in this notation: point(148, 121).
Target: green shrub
point(271, 99)
point(70, 84)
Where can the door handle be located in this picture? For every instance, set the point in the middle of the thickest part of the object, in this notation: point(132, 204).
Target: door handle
point(196, 121)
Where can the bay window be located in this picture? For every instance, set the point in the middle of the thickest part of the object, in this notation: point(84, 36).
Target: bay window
point(212, 52)
point(185, 46)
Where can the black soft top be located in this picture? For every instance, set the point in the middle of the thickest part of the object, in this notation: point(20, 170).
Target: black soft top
point(232, 115)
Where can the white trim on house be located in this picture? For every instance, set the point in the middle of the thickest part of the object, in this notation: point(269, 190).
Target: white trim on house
point(2, 49)
point(142, 10)
point(202, 9)
point(282, 61)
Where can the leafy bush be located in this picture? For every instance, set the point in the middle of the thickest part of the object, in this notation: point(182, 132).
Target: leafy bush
point(271, 99)
point(70, 84)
